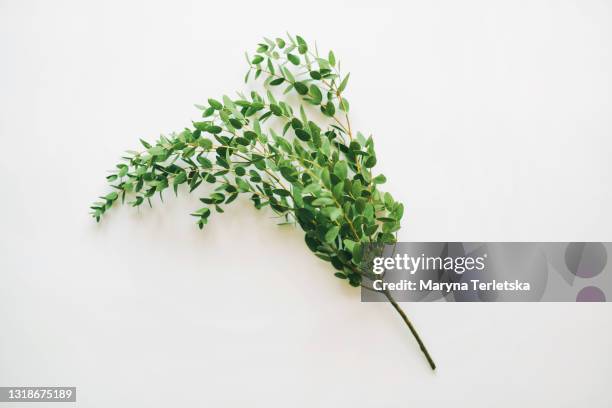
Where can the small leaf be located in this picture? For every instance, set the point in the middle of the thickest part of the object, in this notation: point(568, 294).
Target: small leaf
point(294, 59)
point(380, 179)
point(296, 123)
point(302, 46)
point(325, 177)
point(302, 135)
point(281, 192)
point(180, 178)
point(344, 105)
point(276, 110)
point(331, 58)
point(342, 86)
point(236, 123)
point(123, 169)
point(370, 162)
point(215, 104)
point(156, 151)
point(207, 144)
point(289, 173)
point(341, 169)
point(332, 212)
point(311, 188)
point(331, 234)
point(204, 162)
point(301, 88)
point(214, 129)
point(315, 92)
point(322, 201)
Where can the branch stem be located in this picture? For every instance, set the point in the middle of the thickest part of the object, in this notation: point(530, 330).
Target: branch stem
point(412, 329)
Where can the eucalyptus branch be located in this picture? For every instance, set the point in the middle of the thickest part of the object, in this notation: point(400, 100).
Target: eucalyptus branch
point(303, 169)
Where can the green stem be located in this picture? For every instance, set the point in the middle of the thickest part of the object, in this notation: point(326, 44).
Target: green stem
point(412, 329)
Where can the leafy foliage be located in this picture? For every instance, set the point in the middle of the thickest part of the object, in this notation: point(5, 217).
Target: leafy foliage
point(308, 167)
point(289, 147)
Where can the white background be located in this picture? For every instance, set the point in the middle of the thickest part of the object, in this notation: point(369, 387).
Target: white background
point(492, 122)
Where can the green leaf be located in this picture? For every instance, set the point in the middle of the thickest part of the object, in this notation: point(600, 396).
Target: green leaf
point(180, 178)
point(344, 105)
point(380, 179)
point(281, 192)
point(257, 59)
point(368, 212)
point(157, 151)
point(294, 59)
point(302, 46)
point(112, 196)
point(207, 144)
point(204, 162)
point(331, 58)
point(357, 253)
point(388, 199)
point(296, 123)
point(123, 169)
point(331, 234)
point(341, 169)
point(325, 177)
point(202, 212)
point(250, 135)
point(231, 198)
point(332, 212)
point(215, 130)
point(322, 201)
point(243, 186)
point(311, 188)
point(356, 188)
point(215, 104)
point(302, 135)
point(301, 88)
point(330, 109)
point(315, 93)
point(289, 173)
point(216, 198)
point(342, 86)
point(354, 280)
point(349, 245)
point(235, 123)
point(338, 191)
point(276, 110)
